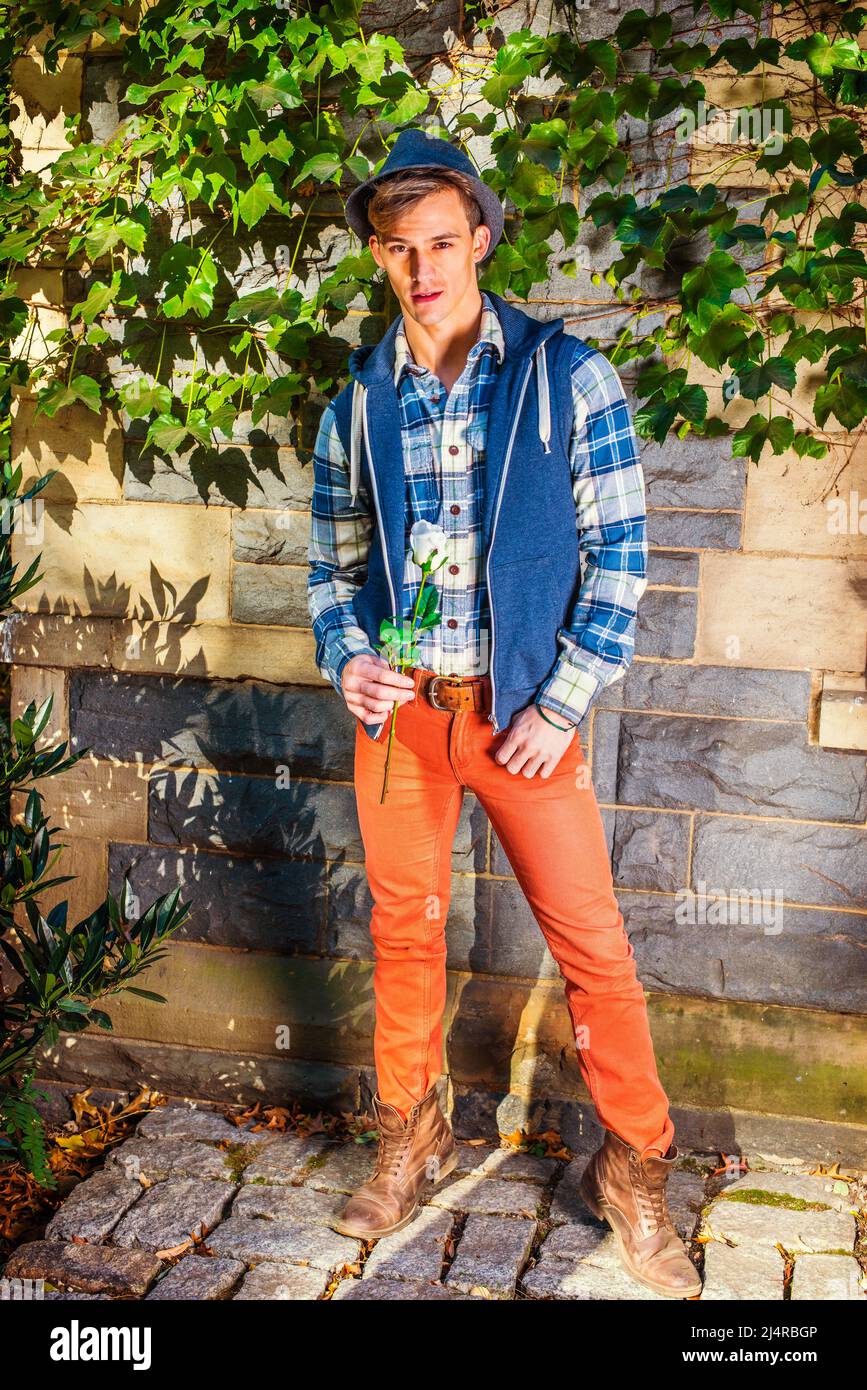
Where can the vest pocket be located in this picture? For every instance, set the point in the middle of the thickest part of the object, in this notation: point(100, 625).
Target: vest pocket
point(527, 615)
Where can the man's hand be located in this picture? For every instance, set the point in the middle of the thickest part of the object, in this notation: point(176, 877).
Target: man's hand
point(370, 687)
point(532, 744)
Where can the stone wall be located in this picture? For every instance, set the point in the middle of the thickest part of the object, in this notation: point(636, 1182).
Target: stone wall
point(171, 626)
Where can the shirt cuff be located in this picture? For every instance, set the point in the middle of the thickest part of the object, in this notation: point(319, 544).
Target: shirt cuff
point(569, 691)
point(344, 646)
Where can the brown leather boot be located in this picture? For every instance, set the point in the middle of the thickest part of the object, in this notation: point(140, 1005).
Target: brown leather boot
point(411, 1154)
point(630, 1195)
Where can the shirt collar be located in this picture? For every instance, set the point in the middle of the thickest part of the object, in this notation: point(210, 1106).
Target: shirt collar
point(490, 331)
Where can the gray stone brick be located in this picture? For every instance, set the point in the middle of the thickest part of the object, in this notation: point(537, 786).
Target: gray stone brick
point(89, 1268)
point(294, 1242)
point(172, 1212)
point(236, 726)
point(594, 1282)
point(666, 623)
point(343, 1168)
point(672, 567)
point(391, 1291)
point(505, 1163)
point(159, 1158)
point(491, 1254)
point(694, 530)
point(103, 103)
point(518, 946)
point(94, 1207)
point(801, 957)
point(186, 1122)
point(270, 594)
point(304, 820)
point(245, 903)
point(678, 688)
point(801, 1187)
point(490, 1197)
point(810, 1232)
point(813, 864)
point(271, 537)
point(416, 1253)
point(828, 1276)
point(741, 1273)
point(198, 1279)
point(284, 1203)
point(274, 1280)
point(694, 473)
point(289, 1159)
point(651, 851)
point(245, 474)
point(735, 765)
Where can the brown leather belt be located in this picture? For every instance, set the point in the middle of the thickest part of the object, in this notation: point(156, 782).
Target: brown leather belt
point(453, 693)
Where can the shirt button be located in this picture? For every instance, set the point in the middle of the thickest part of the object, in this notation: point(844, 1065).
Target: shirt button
point(454, 509)
point(453, 622)
point(453, 569)
point(453, 449)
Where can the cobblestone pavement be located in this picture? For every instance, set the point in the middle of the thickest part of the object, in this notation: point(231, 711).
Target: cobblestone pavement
point(504, 1225)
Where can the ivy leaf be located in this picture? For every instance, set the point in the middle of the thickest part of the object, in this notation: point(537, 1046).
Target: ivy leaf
point(141, 397)
point(636, 26)
point(808, 446)
point(758, 380)
point(99, 297)
point(655, 419)
point(257, 307)
point(792, 203)
point(58, 395)
point(256, 200)
point(844, 400)
point(750, 441)
point(166, 433)
point(708, 285)
point(280, 88)
point(190, 277)
point(322, 167)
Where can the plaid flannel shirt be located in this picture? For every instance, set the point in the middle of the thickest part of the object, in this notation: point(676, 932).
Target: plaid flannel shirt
point(444, 460)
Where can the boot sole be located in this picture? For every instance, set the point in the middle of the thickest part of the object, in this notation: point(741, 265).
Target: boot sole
point(600, 1210)
point(346, 1228)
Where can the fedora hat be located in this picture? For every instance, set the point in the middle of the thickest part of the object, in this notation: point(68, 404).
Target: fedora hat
point(414, 149)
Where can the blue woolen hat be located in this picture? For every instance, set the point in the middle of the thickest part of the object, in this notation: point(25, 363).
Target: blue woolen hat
point(414, 149)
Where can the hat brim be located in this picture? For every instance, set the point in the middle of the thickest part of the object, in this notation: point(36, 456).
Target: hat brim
point(356, 205)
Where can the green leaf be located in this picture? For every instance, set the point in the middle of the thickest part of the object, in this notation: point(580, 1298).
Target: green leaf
point(256, 200)
point(190, 277)
point(141, 397)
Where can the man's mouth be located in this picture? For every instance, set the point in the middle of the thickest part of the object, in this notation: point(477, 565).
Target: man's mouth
point(427, 298)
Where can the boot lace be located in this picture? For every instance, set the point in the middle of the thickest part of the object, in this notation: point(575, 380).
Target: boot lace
point(652, 1199)
point(393, 1148)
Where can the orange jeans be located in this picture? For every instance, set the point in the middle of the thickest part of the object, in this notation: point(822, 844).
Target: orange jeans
point(552, 833)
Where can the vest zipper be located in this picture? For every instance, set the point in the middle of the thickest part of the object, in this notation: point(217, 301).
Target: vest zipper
point(382, 534)
point(492, 716)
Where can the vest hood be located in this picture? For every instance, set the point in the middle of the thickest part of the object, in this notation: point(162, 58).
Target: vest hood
point(523, 336)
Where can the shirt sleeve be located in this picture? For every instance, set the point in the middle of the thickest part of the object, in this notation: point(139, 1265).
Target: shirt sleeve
point(340, 535)
point(598, 643)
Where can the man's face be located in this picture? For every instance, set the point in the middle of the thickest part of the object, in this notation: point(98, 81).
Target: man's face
point(431, 251)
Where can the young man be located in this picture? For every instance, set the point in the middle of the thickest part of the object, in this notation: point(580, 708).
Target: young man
point(516, 439)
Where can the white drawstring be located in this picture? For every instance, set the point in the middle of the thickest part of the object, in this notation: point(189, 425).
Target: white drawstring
point(544, 397)
point(355, 439)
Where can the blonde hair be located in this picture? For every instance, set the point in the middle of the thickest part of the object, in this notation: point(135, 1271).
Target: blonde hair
point(401, 191)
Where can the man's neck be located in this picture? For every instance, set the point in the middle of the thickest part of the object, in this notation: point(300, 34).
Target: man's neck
point(443, 347)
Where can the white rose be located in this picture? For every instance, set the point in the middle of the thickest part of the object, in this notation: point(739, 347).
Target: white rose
point(428, 540)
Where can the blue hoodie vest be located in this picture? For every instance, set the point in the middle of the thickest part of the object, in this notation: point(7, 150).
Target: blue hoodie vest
point(530, 536)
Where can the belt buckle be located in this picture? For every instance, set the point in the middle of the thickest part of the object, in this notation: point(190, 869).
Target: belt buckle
point(431, 693)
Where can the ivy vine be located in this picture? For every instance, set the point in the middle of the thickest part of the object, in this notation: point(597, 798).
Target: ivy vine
point(241, 115)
